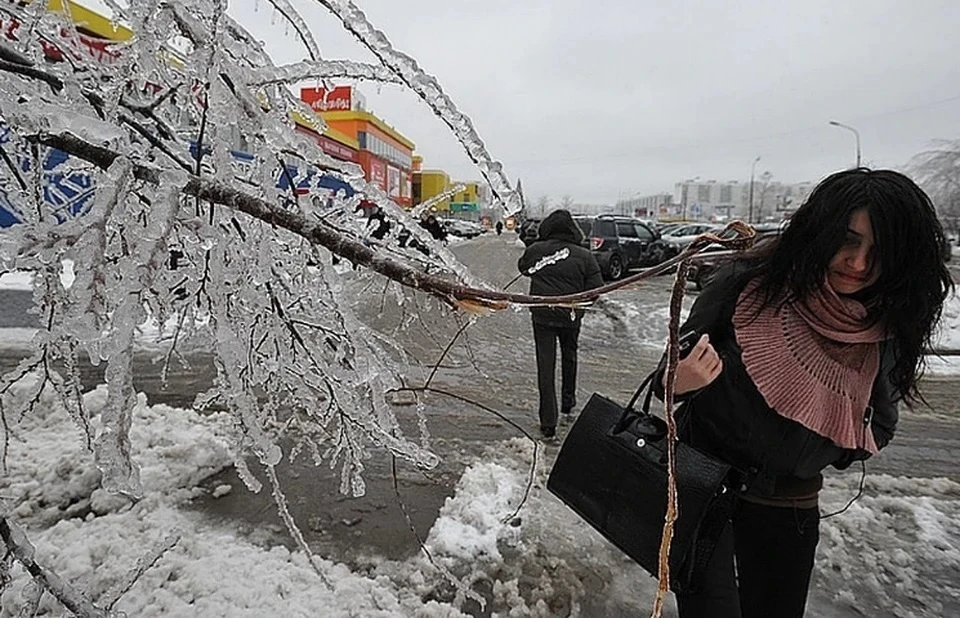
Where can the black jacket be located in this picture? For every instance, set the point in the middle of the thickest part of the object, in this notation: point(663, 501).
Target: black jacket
point(730, 419)
point(558, 264)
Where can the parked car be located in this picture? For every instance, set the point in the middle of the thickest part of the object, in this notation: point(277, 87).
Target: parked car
point(712, 257)
point(618, 243)
point(675, 240)
point(463, 228)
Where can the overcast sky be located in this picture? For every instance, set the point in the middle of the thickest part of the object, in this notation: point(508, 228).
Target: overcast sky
point(607, 98)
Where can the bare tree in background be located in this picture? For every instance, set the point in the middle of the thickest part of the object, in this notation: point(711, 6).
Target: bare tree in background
point(938, 172)
point(566, 202)
point(542, 205)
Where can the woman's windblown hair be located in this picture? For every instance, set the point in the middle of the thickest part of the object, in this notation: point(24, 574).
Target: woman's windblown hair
point(914, 280)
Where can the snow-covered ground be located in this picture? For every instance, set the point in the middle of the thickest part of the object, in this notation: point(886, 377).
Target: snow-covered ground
point(896, 552)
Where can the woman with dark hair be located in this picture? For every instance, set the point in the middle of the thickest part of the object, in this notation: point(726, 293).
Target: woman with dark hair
point(806, 345)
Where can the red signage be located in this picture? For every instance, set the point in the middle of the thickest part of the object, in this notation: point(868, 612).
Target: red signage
point(340, 99)
point(98, 49)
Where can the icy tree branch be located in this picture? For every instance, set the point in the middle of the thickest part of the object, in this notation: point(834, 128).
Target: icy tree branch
point(142, 566)
point(18, 544)
point(325, 69)
point(317, 233)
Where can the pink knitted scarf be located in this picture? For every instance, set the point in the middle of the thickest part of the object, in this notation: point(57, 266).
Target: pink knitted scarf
point(814, 361)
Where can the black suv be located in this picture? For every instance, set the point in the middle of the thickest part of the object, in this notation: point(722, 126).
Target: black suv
point(618, 243)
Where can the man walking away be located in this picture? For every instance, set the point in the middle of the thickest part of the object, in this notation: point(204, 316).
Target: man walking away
point(558, 264)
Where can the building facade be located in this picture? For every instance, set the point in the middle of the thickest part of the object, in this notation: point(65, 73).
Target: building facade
point(709, 200)
point(647, 206)
point(385, 154)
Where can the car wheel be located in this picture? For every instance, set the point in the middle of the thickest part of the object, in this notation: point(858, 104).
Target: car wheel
point(615, 269)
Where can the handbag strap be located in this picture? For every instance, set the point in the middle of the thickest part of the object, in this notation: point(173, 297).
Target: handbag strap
point(647, 385)
point(648, 381)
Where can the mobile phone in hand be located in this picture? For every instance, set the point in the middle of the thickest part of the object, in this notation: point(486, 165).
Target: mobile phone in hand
point(687, 341)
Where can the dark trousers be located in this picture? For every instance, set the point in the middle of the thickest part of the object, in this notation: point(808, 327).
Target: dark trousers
point(773, 548)
point(546, 338)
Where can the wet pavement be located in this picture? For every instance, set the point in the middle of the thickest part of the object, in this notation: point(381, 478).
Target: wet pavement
point(492, 364)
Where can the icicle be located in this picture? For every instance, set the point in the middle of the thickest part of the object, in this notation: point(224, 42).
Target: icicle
point(243, 471)
point(422, 425)
point(112, 444)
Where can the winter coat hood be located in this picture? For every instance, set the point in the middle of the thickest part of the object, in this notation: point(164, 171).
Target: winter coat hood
point(559, 225)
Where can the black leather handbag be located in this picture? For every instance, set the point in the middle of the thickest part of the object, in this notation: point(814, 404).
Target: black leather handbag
point(612, 471)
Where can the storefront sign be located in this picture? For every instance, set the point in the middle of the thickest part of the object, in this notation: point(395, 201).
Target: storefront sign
point(340, 99)
point(336, 149)
point(464, 207)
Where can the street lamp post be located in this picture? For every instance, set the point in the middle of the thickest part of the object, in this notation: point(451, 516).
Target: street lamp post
point(753, 169)
point(855, 132)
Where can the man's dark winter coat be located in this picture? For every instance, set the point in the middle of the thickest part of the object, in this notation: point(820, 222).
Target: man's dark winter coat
point(558, 264)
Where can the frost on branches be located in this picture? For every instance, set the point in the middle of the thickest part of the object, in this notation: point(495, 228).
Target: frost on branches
point(173, 236)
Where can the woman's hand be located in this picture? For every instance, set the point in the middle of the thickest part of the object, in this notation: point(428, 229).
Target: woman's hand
point(698, 369)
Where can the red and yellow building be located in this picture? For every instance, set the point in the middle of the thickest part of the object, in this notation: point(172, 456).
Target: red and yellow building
point(385, 154)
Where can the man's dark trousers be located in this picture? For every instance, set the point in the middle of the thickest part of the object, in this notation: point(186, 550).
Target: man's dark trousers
point(546, 337)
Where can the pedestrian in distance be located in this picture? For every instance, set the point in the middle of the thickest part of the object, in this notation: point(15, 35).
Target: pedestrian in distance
point(807, 343)
point(499, 227)
point(430, 223)
point(557, 264)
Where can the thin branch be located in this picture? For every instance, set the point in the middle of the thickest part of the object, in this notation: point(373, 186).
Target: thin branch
point(18, 544)
point(13, 168)
point(284, 512)
point(55, 83)
point(155, 142)
point(446, 393)
point(144, 563)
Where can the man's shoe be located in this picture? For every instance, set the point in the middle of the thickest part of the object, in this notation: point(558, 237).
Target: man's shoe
point(548, 432)
point(566, 418)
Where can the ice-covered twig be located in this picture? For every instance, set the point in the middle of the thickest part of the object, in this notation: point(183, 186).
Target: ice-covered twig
point(325, 69)
point(463, 590)
point(18, 544)
point(144, 563)
point(284, 511)
point(303, 30)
